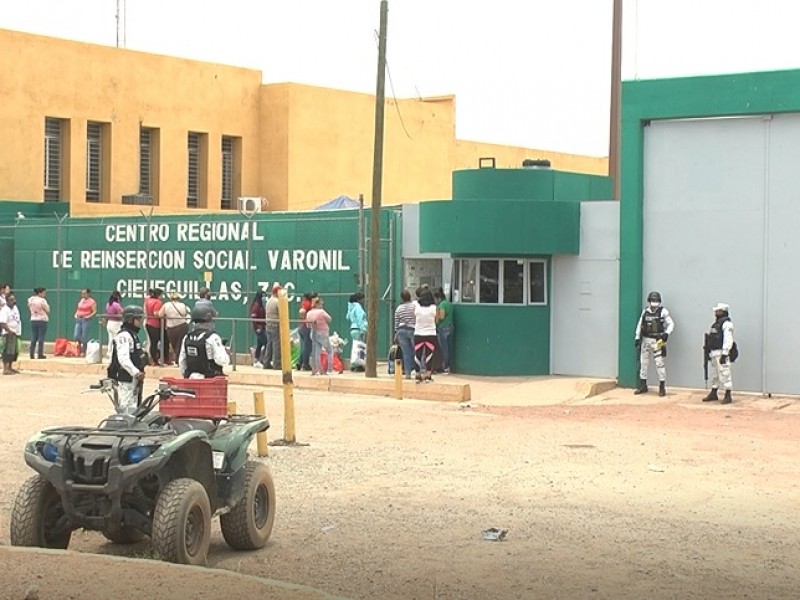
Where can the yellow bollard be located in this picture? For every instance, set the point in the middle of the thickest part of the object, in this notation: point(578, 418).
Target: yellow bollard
point(231, 407)
point(398, 379)
point(261, 436)
point(286, 368)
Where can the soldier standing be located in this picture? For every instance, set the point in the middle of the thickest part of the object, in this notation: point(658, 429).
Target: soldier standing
point(720, 346)
point(652, 331)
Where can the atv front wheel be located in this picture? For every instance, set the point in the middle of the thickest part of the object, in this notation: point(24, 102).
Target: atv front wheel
point(181, 530)
point(249, 524)
point(36, 514)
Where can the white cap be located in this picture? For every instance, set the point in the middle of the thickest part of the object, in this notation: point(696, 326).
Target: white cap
point(721, 306)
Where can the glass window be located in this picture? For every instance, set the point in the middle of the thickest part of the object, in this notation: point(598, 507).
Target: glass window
point(193, 178)
point(537, 279)
point(490, 281)
point(94, 161)
point(52, 159)
point(500, 281)
point(513, 281)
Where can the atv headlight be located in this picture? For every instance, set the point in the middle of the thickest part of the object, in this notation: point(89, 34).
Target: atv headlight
point(136, 454)
point(49, 451)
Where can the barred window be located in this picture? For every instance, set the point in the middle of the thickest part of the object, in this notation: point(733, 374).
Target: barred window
point(193, 180)
point(94, 161)
point(227, 172)
point(145, 161)
point(53, 132)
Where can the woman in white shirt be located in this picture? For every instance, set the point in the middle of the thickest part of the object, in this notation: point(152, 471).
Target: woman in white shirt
point(424, 335)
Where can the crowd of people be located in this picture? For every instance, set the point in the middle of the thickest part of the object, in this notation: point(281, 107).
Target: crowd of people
point(423, 329)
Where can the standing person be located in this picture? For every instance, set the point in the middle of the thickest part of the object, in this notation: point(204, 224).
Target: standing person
point(720, 346)
point(272, 357)
point(40, 315)
point(404, 320)
point(176, 321)
point(357, 317)
point(127, 360)
point(319, 320)
point(652, 332)
point(204, 299)
point(424, 334)
point(85, 311)
point(258, 318)
point(444, 328)
point(203, 353)
point(155, 327)
point(113, 318)
point(304, 364)
point(5, 290)
point(11, 328)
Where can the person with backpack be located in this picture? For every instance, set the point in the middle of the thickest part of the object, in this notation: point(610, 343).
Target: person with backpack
point(203, 352)
point(722, 351)
point(652, 332)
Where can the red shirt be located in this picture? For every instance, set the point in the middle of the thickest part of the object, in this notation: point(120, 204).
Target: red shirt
point(151, 308)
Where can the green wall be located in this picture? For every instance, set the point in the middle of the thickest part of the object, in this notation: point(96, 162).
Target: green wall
point(680, 98)
point(301, 251)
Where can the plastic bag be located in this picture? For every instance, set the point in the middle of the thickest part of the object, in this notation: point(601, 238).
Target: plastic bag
point(358, 354)
point(93, 353)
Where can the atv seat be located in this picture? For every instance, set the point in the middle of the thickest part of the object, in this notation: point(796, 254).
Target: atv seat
point(184, 425)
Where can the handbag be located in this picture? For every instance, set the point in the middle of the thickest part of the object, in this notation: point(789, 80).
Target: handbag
point(60, 346)
point(72, 349)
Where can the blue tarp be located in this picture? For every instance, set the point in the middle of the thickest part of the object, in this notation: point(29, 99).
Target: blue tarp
point(342, 202)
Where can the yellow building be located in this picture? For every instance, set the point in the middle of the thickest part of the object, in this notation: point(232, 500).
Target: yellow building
point(109, 130)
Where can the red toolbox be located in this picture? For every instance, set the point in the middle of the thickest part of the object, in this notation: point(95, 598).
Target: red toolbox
point(210, 402)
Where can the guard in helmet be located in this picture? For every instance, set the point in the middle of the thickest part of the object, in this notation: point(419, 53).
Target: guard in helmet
point(652, 332)
point(127, 360)
point(203, 353)
point(720, 347)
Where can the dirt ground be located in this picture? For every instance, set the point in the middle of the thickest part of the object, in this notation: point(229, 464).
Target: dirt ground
point(663, 499)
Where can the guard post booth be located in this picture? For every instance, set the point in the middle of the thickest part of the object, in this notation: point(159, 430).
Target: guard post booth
point(523, 292)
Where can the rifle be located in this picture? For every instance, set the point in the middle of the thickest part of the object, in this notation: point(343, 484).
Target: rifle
point(706, 358)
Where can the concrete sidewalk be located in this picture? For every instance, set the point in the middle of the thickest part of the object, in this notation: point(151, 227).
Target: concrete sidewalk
point(467, 389)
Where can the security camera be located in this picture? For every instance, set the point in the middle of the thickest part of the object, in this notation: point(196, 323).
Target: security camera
point(20, 215)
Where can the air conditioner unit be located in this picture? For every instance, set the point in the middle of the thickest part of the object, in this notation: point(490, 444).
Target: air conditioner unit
point(250, 204)
point(137, 199)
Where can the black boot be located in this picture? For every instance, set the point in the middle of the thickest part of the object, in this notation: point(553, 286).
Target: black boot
point(642, 389)
point(662, 388)
point(727, 398)
point(712, 396)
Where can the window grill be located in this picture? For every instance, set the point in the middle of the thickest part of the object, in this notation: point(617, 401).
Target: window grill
point(145, 165)
point(193, 179)
point(94, 160)
point(52, 159)
point(227, 173)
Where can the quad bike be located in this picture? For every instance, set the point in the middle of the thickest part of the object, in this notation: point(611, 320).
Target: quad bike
point(147, 474)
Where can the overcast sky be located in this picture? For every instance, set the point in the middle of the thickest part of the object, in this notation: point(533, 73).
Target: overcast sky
point(532, 73)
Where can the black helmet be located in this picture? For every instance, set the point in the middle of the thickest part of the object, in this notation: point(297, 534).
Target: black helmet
point(654, 297)
point(202, 314)
point(129, 313)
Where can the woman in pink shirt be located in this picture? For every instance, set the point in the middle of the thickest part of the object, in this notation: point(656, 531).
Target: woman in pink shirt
point(319, 321)
point(40, 315)
point(84, 313)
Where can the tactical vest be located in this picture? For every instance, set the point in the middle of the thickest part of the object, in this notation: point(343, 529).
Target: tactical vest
point(197, 360)
point(115, 371)
point(652, 323)
point(715, 334)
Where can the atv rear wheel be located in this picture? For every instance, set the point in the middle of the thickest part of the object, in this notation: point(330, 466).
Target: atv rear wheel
point(181, 530)
point(249, 524)
point(36, 513)
point(123, 534)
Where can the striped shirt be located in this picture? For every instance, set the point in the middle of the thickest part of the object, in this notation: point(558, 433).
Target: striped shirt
point(404, 316)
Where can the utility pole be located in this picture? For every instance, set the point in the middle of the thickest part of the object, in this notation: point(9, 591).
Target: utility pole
point(616, 84)
point(373, 284)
